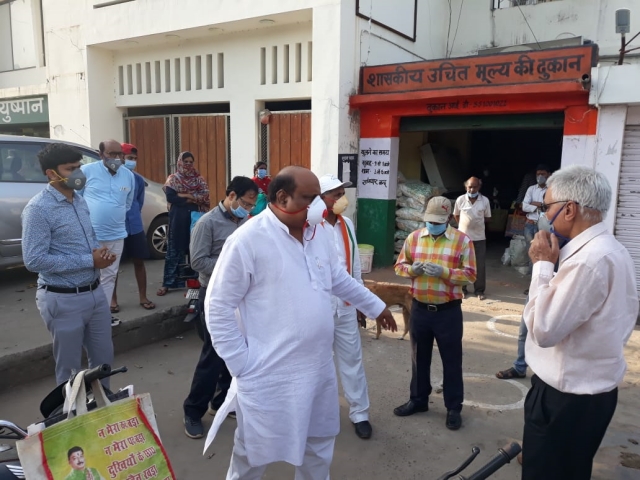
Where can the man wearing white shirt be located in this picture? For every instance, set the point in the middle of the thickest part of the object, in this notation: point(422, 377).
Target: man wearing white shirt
point(346, 344)
point(270, 319)
point(472, 211)
point(579, 321)
point(532, 201)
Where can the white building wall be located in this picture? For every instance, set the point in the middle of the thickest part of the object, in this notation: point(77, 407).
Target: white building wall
point(480, 27)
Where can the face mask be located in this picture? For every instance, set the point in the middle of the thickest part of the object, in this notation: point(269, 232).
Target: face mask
point(546, 225)
point(239, 212)
point(262, 173)
point(541, 179)
point(436, 229)
point(76, 180)
point(473, 195)
point(341, 205)
point(317, 211)
point(130, 164)
point(113, 164)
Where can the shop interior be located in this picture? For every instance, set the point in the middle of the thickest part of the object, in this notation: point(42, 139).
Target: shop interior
point(502, 150)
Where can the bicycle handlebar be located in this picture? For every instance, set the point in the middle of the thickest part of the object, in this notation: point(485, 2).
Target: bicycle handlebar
point(504, 456)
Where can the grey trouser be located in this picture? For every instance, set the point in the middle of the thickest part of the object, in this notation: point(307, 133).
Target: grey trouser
point(480, 247)
point(76, 321)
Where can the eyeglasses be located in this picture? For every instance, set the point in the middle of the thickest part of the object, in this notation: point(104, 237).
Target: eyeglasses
point(246, 205)
point(114, 154)
point(545, 206)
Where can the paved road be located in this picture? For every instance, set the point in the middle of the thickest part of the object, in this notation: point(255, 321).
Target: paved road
point(418, 447)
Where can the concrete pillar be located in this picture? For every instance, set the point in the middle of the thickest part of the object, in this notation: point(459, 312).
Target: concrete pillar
point(244, 135)
point(610, 137)
point(377, 183)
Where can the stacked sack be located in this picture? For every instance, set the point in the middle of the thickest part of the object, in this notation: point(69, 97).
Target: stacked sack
point(412, 200)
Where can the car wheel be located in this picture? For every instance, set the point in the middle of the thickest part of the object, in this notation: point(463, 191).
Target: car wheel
point(157, 238)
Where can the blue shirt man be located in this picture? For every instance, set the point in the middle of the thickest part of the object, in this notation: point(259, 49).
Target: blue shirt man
point(109, 193)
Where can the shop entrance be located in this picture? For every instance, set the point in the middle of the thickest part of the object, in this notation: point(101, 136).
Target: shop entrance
point(502, 150)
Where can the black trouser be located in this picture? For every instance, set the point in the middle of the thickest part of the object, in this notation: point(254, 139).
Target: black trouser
point(562, 431)
point(445, 326)
point(211, 372)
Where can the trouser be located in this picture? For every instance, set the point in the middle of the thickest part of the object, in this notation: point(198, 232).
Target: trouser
point(520, 364)
point(562, 431)
point(530, 230)
point(109, 274)
point(77, 320)
point(445, 326)
point(348, 353)
point(315, 464)
point(480, 284)
point(210, 368)
point(172, 260)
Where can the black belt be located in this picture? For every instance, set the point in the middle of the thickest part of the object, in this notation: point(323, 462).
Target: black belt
point(86, 288)
point(440, 306)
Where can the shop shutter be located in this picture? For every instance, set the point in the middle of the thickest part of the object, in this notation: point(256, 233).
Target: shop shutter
point(627, 229)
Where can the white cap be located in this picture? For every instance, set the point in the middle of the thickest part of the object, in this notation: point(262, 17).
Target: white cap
point(331, 182)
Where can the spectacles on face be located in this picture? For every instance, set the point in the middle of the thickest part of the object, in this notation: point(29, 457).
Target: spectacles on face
point(114, 154)
point(545, 206)
point(246, 205)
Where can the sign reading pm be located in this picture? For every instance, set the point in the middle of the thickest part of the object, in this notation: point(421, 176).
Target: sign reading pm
point(25, 110)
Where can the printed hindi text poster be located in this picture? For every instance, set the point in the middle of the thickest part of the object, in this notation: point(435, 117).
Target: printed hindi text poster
point(378, 168)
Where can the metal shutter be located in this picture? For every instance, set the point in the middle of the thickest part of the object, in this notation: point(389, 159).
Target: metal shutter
point(627, 229)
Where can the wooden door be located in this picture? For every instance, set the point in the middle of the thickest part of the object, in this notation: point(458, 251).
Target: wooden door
point(206, 137)
point(289, 140)
point(149, 136)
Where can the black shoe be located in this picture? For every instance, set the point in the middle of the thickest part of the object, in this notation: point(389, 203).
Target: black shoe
point(454, 420)
point(193, 427)
point(115, 321)
point(409, 408)
point(526, 292)
point(363, 429)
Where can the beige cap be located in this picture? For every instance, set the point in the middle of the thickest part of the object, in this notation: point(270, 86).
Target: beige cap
point(438, 210)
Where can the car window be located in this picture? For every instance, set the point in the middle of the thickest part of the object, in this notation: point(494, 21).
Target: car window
point(19, 163)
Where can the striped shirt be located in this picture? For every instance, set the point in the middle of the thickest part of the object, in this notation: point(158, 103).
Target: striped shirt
point(453, 251)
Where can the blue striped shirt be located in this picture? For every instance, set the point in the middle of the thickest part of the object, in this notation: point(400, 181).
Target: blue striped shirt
point(58, 239)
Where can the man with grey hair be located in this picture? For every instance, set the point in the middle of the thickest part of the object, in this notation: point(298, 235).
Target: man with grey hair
point(472, 211)
point(579, 321)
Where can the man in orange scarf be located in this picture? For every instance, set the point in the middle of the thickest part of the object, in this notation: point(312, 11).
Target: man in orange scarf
point(346, 342)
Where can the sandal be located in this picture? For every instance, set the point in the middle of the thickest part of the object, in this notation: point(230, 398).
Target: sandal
point(509, 374)
point(162, 291)
point(115, 308)
point(148, 305)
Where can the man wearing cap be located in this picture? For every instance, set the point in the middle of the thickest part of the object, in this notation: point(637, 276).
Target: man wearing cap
point(346, 337)
point(440, 260)
point(135, 244)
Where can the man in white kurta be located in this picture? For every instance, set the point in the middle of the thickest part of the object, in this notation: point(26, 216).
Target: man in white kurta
point(270, 319)
point(347, 346)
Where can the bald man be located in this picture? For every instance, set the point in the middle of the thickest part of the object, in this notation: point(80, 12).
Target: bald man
point(472, 211)
point(109, 193)
point(269, 312)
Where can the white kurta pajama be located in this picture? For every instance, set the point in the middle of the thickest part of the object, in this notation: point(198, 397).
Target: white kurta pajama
point(346, 340)
point(270, 319)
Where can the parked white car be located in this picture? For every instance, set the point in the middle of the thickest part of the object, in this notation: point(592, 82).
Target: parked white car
point(21, 178)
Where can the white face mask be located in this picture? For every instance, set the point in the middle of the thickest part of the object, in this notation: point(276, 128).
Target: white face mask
point(316, 212)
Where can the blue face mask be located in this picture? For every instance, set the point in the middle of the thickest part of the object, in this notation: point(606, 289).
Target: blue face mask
point(239, 212)
point(548, 226)
point(130, 164)
point(436, 229)
point(262, 172)
point(473, 195)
